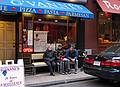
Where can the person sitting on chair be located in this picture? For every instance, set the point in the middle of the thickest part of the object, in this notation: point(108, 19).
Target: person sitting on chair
point(72, 55)
point(49, 57)
point(60, 55)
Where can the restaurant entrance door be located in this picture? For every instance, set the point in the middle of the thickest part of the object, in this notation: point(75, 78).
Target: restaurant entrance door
point(7, 40)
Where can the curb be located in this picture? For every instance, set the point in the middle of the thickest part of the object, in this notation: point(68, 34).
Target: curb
point(60, 82)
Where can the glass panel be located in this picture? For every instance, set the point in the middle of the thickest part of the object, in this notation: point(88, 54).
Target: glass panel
point(50, 29)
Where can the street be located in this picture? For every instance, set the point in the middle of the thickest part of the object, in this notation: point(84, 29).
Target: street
point(88, 83)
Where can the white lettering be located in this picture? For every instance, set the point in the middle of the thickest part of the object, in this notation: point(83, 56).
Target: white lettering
point(17, 2)
point(5, 8)
point(31, 10)
point(108, 4)
point(51, 12)
point(51, 5)
point(41, 4)
point(116, 7)
point(0, 7)
point(75, 7)
point(31, 3)
point(77, 14)
point(59, 5)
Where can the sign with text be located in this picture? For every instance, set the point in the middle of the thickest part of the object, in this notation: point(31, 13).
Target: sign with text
point(46, 7)
point(40, 41)
point(111, 6)
point(12, 75)
point(30, 37)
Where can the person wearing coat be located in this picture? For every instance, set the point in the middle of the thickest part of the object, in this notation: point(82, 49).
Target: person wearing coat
point(72, 55)
point(49, 58)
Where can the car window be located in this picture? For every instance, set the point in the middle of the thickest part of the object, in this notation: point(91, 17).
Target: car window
point(113, 49)
point(118, 51)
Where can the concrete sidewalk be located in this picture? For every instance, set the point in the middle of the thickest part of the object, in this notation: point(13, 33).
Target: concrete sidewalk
point(43, 80)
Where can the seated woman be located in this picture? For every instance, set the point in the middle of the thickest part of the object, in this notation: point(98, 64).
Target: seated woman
point(49, 58)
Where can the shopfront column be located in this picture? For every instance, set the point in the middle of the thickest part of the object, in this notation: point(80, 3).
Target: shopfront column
point(80, 34)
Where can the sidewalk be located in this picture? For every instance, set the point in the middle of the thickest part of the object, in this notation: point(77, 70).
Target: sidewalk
point(43, 80)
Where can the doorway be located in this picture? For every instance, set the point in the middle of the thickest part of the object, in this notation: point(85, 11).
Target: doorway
point(7, 40)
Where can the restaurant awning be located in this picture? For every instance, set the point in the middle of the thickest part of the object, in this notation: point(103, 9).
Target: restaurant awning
point(46, 7)
point(111, 6)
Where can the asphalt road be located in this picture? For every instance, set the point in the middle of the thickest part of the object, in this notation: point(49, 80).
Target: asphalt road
point(89, 83)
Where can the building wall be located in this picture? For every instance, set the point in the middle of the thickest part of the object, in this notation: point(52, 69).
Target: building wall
point(91, 27)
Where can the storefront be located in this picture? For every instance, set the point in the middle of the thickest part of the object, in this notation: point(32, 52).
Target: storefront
point(106, 24)
point(30, 26)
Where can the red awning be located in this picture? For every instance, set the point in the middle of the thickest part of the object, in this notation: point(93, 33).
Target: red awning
point(111, 6)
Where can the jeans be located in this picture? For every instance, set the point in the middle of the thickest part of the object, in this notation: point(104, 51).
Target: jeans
point(75, 62)
point(51, 66)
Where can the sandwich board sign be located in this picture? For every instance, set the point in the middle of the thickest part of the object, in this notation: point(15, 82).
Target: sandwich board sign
point(12, 75)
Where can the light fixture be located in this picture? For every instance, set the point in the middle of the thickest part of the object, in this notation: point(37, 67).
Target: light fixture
point(27, 14)
point(63, 17)
point(39, 19)
point(101, 14)
point(56, 21)
point(50, 16)
point(109, 18)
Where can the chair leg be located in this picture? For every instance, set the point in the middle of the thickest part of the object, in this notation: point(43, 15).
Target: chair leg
point(34, 70)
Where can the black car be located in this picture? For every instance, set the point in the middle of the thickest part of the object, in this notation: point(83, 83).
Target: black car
point(105, 65)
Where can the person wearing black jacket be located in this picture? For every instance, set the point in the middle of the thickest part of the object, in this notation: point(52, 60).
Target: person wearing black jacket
point(49, 58)
point(60, 55)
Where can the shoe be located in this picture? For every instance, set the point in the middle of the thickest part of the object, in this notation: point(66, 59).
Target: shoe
point(75, 72)
point(51, 74)
point(63, 73)
point(69, 72)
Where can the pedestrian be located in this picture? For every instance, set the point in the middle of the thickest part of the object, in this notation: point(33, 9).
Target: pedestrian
point(72, 55)
point(49, 58)
point(60, 56)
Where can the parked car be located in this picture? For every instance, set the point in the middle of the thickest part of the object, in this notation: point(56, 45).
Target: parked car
point(105, 65)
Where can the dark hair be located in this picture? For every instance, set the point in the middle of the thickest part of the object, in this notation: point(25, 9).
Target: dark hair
point(36, 35)
point(59, 45)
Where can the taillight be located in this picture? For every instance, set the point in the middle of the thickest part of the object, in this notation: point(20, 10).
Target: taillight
point(115, 63)
point(111, 63)
point(89, 60)
point(106, 63)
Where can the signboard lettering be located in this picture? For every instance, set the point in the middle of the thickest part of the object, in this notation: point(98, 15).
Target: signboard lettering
point(77, 14)
point(45, 7)
point(48, 4)
point(12, 75)
point(31, 10)
point(51, 12)
point(112, 6)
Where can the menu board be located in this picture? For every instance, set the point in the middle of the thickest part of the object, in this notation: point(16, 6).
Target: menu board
point(40, 41)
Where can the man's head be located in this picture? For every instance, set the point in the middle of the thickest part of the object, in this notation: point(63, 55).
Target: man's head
point(49, 47)
point(72, 48)
point(59, 46)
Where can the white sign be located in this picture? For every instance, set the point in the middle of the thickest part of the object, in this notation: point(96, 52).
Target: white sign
point(30, 37)
point(97, 63)
point(12, 75)
point(40, 41)
point(89, 51)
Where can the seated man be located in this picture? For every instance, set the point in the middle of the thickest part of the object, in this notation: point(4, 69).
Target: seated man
point(49, 57)
point(72, 55)
point(60, 55)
